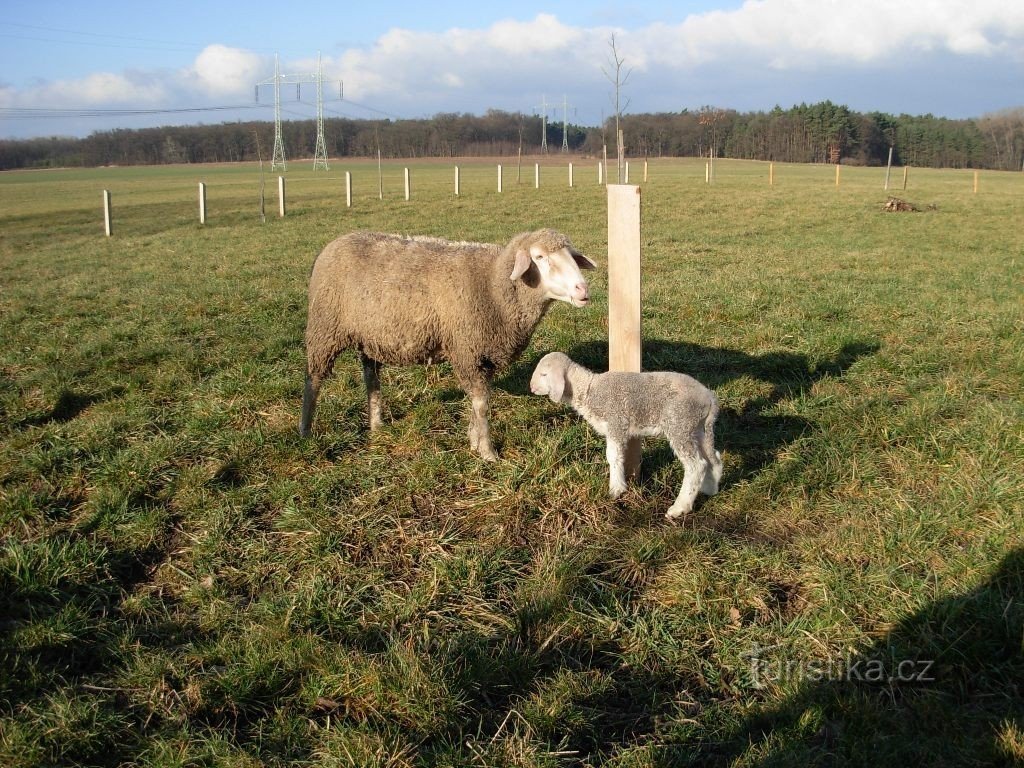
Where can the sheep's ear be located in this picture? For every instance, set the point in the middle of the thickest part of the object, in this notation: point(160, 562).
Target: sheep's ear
point(583, 262)
point(556, 386)
point(523, 262)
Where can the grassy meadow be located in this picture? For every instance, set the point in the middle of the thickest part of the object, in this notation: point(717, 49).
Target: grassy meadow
point(185, 582)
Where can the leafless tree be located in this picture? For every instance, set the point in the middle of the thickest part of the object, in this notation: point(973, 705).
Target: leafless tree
point(618, 80)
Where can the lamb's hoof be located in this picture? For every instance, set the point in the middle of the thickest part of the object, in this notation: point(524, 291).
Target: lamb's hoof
point(486, 454)
point(616, 493)
point(676, 515)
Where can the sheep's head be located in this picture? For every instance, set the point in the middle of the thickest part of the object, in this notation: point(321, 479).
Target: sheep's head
point(549, 376)
point(547, 259)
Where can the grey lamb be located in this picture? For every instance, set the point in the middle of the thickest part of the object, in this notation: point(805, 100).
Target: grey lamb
point(624, 405)
point(404, 300)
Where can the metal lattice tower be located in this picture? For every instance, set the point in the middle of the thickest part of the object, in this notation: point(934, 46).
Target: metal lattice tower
point(320, 155)
point(544, 124)
point(565, 124)
point(278, 158)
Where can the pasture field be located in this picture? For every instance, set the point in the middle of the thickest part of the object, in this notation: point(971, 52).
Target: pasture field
point(185, 582)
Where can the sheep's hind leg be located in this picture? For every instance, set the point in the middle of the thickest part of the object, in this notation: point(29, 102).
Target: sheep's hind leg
point(479, 427)
point(309, 396)
point(695, 468)
point(371, 378)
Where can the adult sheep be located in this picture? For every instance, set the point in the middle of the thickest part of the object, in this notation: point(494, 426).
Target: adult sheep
point(405, 300)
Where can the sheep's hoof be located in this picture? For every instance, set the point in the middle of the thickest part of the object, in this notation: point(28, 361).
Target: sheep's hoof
point(487, 454)
point(616, 493)
point(676, 515)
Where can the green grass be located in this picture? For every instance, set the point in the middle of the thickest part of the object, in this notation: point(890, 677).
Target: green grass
point(185, 582)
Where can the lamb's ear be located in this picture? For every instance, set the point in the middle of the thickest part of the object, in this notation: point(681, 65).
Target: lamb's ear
point(523, 262)
point(556, 386)
point(583, 262)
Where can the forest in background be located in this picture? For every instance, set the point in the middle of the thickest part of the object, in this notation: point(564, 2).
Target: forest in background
point(816, 133)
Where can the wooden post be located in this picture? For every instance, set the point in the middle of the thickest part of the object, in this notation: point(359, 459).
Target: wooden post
point(621, 160)
point(570, 174)
point(408, 187)
point(108, 222)
point(707, 172)
point(837, 174)
point(536, 175)
point(975, 182)
point(625, 179)
point(600, 173)
point(348, 189)
point(771, 174)
point(624, 337)
point(906, 168)
point(202, 203)
point(280, 196)
point(604, 162)
point(645, 171)
point(888, 168)
point(456, 181)
point(499, 177)
point(380, 177)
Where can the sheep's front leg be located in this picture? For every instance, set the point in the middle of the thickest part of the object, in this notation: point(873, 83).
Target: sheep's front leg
point(371, 378)
point(615, 451)
point(479, 427)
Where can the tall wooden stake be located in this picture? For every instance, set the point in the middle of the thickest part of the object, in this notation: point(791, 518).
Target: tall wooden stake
point(624, 336)
point(108, 222)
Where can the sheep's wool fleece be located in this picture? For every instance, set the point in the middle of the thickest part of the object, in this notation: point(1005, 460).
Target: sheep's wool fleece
point(405, 300)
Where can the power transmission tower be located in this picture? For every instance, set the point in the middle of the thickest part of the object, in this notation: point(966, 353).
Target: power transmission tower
point(544, 123)
point(565, 124)
point(278, 155)
point(320, 153)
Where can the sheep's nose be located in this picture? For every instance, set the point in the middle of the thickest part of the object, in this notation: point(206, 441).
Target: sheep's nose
point(581, 292)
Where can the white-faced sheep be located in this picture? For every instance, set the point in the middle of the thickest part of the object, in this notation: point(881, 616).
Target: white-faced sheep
point(404, 300)
point(624, 405)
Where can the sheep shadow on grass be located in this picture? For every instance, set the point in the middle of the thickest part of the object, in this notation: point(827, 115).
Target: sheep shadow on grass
point(753, 433)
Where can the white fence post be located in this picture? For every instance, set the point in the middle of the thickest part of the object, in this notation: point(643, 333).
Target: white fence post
point(348, 189)
point(456, 181)
point(600, 173)
point(280, 196)
point(570, 174)
point(499, 177)
point(108, 222)
point(202, 203)
point(536, 175)
point(408, 189)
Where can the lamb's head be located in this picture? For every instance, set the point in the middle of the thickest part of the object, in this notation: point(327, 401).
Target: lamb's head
point(546, 259)
point(549, 377)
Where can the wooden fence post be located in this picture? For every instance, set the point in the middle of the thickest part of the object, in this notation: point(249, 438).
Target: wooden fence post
point(624, 333)
point(906, 168)
point(456, 181)
point(536, 175)
point(837, 174)
point(570, 174)
point(348, 189)
point(499, 177)
point(280, 196)
point(771, 174)
point(202, 203)
point(408, 187)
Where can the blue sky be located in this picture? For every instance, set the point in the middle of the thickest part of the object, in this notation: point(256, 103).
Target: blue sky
point(112, 60)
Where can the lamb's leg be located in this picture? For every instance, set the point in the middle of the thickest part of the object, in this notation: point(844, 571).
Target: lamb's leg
point(479, 427)
point(706, 442)
point(695, 468)
point(371, 378)
point(615, 451)
point(309, 396)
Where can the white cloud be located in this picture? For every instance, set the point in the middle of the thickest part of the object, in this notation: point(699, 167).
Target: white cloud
point(765, 51)
point(223, 71)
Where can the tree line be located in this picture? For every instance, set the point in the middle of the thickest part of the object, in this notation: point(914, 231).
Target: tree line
point(815, 133)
